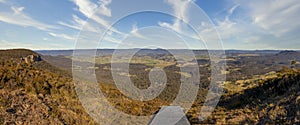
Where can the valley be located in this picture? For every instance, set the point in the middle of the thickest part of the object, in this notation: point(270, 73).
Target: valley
point(261, 87)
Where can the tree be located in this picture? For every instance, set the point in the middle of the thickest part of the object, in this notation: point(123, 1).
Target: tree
point(293, 64)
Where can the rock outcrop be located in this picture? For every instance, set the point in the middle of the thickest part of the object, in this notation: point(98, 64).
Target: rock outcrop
point(31, 59)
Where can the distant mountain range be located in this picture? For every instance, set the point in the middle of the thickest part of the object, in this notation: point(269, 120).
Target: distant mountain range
point(157, 51)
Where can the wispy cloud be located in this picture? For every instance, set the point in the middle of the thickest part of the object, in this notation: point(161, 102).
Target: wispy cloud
point(63, 36)
point(16, 16)
point(240, 23)
point(231, 10)
point(86, 7)
point(18, 10)
point(181, 19)
point(94, 11)
point(134, 32)
point(180, 9)
point(77, 24)
point(112, 40)
point(5, 44)
point(104, 10)
point(258, 26)
point(278, 18)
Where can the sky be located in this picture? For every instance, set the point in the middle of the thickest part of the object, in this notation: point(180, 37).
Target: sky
point(179, 24)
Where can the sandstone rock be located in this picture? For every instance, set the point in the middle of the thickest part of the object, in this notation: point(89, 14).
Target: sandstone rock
point(298, 99)
point(31, 59)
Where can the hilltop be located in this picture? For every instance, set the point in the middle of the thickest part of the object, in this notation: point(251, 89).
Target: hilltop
point(36, 92)
point(288, 52)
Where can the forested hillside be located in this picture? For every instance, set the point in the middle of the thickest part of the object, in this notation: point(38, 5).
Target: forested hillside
point(272, 101)
point(36, 92)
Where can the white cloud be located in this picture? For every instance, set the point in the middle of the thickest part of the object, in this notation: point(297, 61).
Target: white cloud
point(104, 10)
point(112, 40)
point(77, 24)
point(63, 36)
point(134, 32)
point(233, 9)
point(96, 12)
point(278, 17)
point(7, 44)
point(4, 44)
point(2, 1)
point(86, 7)
point(257, 24)
point(175, 26)
point(180, 8)
point(73, 26)
point(17, 10)
point(233, 31)
point(18, 17)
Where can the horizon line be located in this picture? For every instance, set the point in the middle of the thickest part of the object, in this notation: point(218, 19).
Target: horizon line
point(156, 49)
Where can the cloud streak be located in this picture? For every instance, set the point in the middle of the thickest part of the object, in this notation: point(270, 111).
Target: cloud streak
point(180, 9)
point(62, 36)
point(5, 44)
point(17, 17)
point(95, 11)
point(134, 32)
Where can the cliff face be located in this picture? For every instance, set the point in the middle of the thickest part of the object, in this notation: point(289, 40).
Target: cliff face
point(31, 59)
point(37, 93)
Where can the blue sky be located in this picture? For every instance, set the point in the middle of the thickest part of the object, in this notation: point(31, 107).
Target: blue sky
point(241, 24)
